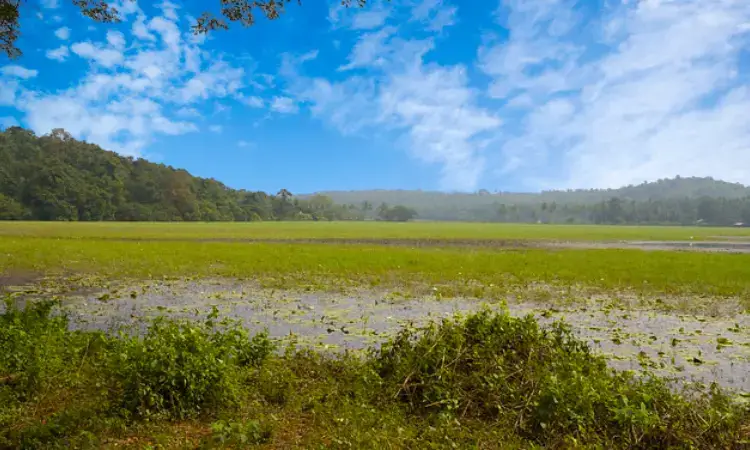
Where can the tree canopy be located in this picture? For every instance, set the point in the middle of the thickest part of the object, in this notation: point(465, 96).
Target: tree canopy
point(56, 177)
point(243, 12)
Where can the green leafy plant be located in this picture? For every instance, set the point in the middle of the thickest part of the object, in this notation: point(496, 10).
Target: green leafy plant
point(237, 434)
point(545, 384)
point(181, 368)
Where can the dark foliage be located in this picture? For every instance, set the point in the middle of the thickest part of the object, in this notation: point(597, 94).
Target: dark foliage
point(56, 177)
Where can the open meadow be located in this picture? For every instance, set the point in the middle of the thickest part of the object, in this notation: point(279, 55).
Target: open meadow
point(373, 335)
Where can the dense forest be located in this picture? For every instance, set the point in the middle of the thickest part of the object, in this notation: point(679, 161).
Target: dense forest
point(678, 201)
point(56, 177)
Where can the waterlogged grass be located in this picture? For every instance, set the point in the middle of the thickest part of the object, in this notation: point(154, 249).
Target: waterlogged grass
point(450, 271)
point(487, 381)
point(482, 381)
point(361, 230)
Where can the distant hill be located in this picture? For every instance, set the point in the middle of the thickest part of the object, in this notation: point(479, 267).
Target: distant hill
point(484, 205)
point(56, 177)
point(670, 188)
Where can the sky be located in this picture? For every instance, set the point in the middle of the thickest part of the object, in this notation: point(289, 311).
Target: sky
point(510, 95)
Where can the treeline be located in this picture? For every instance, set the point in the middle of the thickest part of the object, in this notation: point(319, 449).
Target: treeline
point(56, 177)
point(678, 201)
point(685, 211)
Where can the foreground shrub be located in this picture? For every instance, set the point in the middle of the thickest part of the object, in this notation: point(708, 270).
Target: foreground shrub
point(36, 349)
point(547, 385)
point(181, 368)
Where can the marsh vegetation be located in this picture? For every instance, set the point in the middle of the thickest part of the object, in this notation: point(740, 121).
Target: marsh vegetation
point(333, 335)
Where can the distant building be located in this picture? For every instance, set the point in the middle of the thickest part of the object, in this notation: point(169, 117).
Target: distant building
point(740, 224)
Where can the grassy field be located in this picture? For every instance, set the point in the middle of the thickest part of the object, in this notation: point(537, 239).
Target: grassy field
point(486, 380)
point(361, 230)
point(472, 272)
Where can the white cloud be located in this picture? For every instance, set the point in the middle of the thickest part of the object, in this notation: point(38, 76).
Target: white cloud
point(252, 101)
point(140, 30)
point(219, 80)
point(348, 105)
point(371, 49)
point(433, 106)
point(355, 18)
point(284, 105)
point(58, 54)
point(660, 93)
point(63, 33)
point(116, 39)
point(215, 128)
point(435, 14)
point(444, 124)
point(51, 4)
point(169, 10)
point(245, 144)
point(104, 56)
point(370, 18)
point(17, 71)
point(139, 85)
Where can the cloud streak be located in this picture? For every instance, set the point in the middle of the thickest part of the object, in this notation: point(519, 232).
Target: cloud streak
point(139, 86)
point(654, 90)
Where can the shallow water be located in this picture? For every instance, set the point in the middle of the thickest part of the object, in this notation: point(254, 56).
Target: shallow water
point(695, 348)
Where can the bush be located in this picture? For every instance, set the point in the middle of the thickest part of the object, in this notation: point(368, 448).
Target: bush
point(545, 384)
point(35, 349)
point(179, 369)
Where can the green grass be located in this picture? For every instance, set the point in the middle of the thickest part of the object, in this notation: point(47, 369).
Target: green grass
point(360, 230)
point(454, 271)
point(483, 381)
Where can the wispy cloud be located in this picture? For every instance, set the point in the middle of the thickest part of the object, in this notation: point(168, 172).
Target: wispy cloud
point(370, 18)
point(435, 14)
point(17, 71)
point(284, 105)
point(63, 33)
point(58, 54)
point(371, 49)
point(99, 54)
point(444, 124)
point(651, 89)
point(433, 106)
point(140, 85)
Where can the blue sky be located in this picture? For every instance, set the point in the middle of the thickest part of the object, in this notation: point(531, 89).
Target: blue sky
point(419, 94)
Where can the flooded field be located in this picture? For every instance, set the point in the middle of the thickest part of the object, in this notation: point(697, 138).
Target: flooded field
point(689, 347)
point(669, 302)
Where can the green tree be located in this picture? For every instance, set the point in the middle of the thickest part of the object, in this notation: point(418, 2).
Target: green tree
point(56, 177)
point(398, 213)
point(10, 209)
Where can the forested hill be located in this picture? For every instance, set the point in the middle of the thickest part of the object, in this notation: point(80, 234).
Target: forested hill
point(56, 177)
point(667, 189)
point(668, 201)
